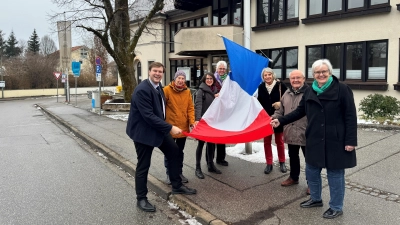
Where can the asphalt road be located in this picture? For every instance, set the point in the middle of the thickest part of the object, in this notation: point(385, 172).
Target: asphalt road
point(49, 176)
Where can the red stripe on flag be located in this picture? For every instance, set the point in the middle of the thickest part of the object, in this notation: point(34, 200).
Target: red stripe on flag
point(260, 128)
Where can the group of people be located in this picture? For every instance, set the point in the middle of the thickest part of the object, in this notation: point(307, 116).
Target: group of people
point(319, 119)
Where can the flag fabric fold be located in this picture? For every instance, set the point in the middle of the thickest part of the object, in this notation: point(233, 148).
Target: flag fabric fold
point(236, 116)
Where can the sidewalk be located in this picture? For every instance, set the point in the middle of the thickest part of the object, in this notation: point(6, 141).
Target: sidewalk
point(243, 194)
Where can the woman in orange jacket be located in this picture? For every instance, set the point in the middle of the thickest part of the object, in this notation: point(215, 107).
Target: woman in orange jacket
point(179, 111)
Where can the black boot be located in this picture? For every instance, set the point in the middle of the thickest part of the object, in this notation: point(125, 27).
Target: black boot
point(268, 169)
point(212, 168)
point(199, 173)
point(282, 167)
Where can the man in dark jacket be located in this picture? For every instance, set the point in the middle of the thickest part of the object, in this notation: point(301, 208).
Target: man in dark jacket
point(147, 128)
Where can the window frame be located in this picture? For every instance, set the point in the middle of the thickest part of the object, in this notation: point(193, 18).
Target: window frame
point(283, 71)
point(345, 12)
point(364, 82)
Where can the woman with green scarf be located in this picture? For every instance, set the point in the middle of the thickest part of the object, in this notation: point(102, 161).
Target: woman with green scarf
point(331, 135)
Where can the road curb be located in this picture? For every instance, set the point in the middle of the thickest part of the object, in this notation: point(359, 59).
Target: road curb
point(153, 183)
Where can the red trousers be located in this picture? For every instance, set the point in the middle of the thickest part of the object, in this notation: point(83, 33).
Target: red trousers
point(279, 145)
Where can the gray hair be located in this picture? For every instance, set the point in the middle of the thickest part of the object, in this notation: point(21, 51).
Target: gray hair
point(269, 70)
point(321, 62)
point(221, 63)
point(299, 71)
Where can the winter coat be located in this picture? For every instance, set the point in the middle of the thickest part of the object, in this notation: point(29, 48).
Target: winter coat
point(204, 98)
point(146, 122)
point(293, 133)
point(179, 109)
point(332, 124)
point(266, 99)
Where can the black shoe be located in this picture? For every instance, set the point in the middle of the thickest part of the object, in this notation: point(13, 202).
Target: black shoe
point(268, 169)
point(199, 173)
point(223, 163)
point(330, 213)
point(213, 169)
point(184, 190)
point(168, 181)
point(184, 179)
point(146, 206)
point(282, 167)
point(311, 203)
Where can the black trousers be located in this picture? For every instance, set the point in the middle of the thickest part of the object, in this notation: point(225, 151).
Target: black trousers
point(210, 150)
point(295, 160)
point(221, 152)
point(144, 152)
point(181, 145)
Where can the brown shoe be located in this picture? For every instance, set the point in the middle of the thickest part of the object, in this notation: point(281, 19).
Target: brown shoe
point(289, 182)
point(308, 191)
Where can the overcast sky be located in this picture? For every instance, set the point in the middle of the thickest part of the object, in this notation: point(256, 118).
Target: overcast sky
point(23, 16)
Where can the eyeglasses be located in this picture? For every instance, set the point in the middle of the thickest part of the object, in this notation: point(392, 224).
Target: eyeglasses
point(321, 72)
point(222, 68)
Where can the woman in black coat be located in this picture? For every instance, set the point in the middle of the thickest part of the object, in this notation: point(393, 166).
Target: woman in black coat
point(204, 97)
point(269, 95)
point(331, 135)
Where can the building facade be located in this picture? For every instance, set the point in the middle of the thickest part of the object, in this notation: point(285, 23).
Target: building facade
point(361, 38)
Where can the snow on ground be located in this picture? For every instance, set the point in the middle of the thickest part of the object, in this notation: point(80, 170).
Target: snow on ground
point(238, 150)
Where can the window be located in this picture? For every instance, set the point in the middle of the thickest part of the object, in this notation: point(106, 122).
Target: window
point(324, 7)
point(273, 11)
point(225, 12)
point(171, 38)
point(197, 66)
point(139, 72)
point(284, 60)
point(84, 53)
point(313, 54)
point(357, 61)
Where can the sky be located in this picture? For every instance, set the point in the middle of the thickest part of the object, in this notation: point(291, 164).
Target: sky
point(22, 17)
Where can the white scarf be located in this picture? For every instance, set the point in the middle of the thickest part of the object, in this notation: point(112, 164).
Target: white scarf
point(269, 87)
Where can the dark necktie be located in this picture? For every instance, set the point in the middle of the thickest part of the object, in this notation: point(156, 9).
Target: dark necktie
point(160, 97)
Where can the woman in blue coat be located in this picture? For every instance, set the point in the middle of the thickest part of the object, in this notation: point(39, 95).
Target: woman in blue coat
point(331, 135)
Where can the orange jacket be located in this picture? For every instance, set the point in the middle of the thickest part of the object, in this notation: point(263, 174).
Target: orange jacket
point(179, 110)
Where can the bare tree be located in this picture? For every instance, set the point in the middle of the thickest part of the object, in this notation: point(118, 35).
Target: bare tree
point(109, 20)
point(47, 45)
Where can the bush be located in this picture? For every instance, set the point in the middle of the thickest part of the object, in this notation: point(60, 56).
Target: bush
point(376, 106)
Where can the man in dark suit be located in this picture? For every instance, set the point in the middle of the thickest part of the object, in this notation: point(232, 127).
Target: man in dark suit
point(147, 128)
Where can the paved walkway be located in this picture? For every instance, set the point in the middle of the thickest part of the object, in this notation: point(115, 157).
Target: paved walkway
point(243, 194)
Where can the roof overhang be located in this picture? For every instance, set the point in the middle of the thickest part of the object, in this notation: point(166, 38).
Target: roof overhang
point(192, 5)
point(202, 53)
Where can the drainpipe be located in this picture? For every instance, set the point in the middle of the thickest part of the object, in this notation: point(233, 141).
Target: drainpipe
point(246, 37)
point(164, 50)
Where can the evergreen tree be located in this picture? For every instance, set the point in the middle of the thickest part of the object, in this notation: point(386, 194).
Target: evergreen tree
point(12, 49)
point(33, 43)
point(2, 44)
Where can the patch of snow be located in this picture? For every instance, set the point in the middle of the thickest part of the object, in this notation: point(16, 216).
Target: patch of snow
point(258, 155)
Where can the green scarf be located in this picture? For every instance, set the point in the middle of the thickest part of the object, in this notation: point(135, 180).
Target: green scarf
point(223, 77)
point(319, 90)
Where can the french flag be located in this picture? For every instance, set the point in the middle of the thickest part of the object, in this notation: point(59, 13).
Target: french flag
point(236, 116)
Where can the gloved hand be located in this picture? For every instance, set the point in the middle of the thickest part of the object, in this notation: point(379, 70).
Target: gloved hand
point(276, 105)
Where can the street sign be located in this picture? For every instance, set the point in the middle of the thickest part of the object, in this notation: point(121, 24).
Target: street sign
point(63, 78)
point(57, 75)
point(98, 60)
point(98, 77)
point(2, 84)
point(98, 68)
point(76, 68)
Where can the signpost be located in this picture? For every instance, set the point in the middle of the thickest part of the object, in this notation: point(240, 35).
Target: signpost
point(2, 82)
point(76, 70)
point(57, 75)
point(98, 78)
